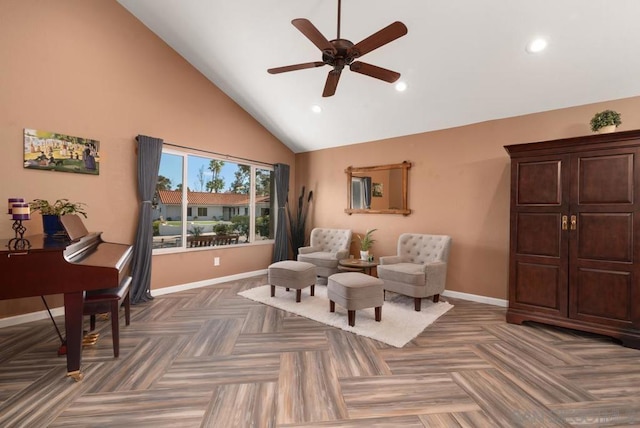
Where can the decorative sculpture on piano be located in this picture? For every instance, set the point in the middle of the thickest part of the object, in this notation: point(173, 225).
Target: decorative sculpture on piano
point(19, 211)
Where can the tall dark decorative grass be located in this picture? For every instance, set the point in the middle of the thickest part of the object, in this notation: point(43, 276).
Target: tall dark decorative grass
point(297, 222)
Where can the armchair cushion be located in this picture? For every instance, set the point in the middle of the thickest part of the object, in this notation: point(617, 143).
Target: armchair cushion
point(320, 259)
point(307, 250)
point(387, 260)
point(409, 273)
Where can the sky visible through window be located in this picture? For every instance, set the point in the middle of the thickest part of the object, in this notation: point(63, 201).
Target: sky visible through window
point(171, 167)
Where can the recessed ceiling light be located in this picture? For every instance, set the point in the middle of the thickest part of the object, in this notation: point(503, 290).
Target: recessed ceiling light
point(401, 86)
point(316, 108)
point(536, 45)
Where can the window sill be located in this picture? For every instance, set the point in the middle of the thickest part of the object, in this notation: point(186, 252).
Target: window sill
point(177, 250)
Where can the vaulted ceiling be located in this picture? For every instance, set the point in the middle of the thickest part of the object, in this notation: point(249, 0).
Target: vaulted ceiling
point(463, 61)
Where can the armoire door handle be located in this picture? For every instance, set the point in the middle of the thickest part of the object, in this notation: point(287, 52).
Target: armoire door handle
point(574, 222)
point(564, 222)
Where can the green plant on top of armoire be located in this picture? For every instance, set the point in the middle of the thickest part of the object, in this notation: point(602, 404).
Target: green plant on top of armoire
point(607, 119)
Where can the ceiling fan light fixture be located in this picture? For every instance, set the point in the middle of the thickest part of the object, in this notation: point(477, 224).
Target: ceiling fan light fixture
point(401, 86)
point(536, 45)
point(341, 54)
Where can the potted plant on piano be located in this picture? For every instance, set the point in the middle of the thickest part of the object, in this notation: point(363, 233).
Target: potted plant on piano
point(51, 213)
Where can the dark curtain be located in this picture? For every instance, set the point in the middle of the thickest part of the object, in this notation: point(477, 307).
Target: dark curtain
point(281, 247)
point(366, 188)
point(149, 154)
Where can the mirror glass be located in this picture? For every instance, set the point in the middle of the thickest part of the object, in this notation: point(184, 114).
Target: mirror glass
point(380, 189)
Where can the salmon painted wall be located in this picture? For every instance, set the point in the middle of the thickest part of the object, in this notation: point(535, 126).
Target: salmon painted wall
point(91, 69)
point(458, 185)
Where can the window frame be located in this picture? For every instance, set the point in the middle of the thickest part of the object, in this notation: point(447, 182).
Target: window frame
point(254, 166)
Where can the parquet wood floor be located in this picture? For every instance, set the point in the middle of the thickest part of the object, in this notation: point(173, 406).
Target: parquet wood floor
point(209, 358)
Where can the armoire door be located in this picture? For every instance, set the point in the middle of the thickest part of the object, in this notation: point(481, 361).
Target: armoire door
point(538, 236)
point(603, 280)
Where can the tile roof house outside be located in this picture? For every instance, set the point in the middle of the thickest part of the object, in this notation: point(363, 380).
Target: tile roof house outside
point(218, 206)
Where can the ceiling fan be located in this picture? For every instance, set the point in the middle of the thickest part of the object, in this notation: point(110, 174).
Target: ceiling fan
point(339, 53)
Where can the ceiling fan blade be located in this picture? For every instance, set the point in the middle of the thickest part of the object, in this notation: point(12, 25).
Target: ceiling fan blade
point(294, 67)
point(312, 33)
point(374, 71)
point(331, 83)
point(381, 38)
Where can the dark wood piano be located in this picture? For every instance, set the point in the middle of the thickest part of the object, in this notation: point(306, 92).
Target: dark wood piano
point(70, 266)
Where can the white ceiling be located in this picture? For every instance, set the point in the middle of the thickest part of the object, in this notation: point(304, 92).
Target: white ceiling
point(464, 61)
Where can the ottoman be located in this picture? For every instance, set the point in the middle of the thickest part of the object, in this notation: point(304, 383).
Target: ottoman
point(292, 274)
point(353, 291)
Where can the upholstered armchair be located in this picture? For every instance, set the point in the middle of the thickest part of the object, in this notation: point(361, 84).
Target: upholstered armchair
point(419, 269)
point(327, 247)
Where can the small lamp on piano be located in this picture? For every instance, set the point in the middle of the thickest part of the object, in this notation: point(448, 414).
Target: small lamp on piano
point(19, 211)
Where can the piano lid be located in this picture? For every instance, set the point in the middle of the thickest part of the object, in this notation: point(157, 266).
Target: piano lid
point(74, 226)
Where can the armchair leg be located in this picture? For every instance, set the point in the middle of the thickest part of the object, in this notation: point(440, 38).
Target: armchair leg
point(436, 298)
point(417, 303)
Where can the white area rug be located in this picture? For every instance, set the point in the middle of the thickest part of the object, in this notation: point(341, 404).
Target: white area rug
point(400, 322)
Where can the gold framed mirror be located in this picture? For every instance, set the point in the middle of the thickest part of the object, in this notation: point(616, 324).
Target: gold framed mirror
point(380, 189)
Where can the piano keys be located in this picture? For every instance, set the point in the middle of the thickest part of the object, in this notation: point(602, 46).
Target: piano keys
point(54, 266)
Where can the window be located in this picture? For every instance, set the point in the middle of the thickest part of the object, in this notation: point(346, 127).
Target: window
point(357, 193)
point(204, 201)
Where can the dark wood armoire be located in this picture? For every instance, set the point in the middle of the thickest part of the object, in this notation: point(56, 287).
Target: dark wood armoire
point(575, 234)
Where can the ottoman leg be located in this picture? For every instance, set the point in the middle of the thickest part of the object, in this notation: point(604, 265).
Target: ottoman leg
point(313, 289)
point(416, 302)
point(332, 306)
point(378, 313)
point(287, 288)
point(273, 290)
point(298, 295)
point(352, 317)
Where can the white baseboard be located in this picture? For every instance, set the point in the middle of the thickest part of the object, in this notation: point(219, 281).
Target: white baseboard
point(476, 298)
point(35, 316)
point(31, 316)
point(199, 284)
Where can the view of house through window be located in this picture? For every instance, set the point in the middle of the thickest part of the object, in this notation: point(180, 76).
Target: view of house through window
point(220, 202)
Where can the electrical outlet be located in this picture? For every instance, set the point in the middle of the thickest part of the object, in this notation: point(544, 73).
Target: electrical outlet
point(216, 261)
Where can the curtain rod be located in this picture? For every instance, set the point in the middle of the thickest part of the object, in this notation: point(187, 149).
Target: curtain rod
point(230, 157)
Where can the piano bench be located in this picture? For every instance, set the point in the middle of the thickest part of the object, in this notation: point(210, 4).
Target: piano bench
point(109, 300)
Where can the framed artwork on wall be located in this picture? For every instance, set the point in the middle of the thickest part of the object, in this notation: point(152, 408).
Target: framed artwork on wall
point(376, 190)
point(59, 152)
